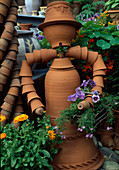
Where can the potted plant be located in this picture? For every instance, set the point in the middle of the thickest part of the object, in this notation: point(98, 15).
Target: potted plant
point(113, 9)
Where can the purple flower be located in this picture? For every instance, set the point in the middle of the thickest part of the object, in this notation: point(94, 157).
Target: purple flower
point(91, 135)
point(116, 103)
point(95, 92)
point(118, 27)
point(55, 127)
point(63, 137)
point(83, 127)
point(60, 133)
point(41, 37)
point(108, 128)
point(80, 93)
point(96, 15)
point(73, 97)
point(81, 130)
point(87, 135)
point(89, 19)
point(95, 98)
point(92, 83)
point(60, 44)
point(91, 128)
point(85, 83)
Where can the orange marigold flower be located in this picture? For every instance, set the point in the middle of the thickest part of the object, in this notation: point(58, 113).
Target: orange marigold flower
point(47, 127)
point(52, 137)
point(2, 135)
point(2, 118)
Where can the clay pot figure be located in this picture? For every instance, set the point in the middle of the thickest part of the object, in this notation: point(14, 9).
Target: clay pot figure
point(59, 25)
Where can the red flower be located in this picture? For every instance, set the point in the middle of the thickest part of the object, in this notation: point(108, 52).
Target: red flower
point(91, 40)
point(81, 35)
point(89, 45)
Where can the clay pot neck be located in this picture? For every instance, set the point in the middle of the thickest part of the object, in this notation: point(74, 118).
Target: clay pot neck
point(61, 63)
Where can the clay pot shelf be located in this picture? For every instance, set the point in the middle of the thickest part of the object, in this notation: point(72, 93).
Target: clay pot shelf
point(25, 26)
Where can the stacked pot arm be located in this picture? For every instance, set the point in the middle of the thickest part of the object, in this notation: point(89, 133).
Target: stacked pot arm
point(96, 61)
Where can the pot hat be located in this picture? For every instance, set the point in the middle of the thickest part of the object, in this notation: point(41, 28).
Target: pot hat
point(59, 12)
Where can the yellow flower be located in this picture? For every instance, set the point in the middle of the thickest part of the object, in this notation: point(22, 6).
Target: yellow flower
point(41, 33)
point(47, 127)
point(44, 111)
point(98, 17)
point(2, 118)
point(105, 12)
point(107, 15)
point(57, 55)
point(51, 134)
point(26, 124)
point(52, 137)
point(2, 135)
point(21, 117)
point(93, 17)
point(103, 24)
point(16, 119)
point(72, 58)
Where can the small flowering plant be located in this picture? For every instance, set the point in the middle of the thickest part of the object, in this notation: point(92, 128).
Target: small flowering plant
point(82, 92)
point(61, 49)
point(32, 146)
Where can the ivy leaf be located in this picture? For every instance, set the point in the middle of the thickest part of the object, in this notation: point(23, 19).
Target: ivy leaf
point(103, 44)
point(115, 41)
point(116, 33)
point(97, 34)
point(13, 161)
point(91, 35)
point(107, 36)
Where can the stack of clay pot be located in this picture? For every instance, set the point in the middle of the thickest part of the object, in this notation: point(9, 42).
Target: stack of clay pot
point(10, 104)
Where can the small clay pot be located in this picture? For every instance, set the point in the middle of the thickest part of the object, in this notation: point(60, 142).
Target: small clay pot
point(30, 58)
point(89, 100)
point(19, 109)
point(8, 64)
point(6, 35)
point(16, 67)
point(1, 19)
point(99, 81)
point(15, 74)
point(25, 26)
point(5, 2)
point(10, 99)
point(12, 55)
point(25, 69)
point(99, 64)
point(99, 73)
point(98, 88)
point(37, 56)
point(13, 10)
point(35, 103)
point(9, 27)
point(12, 18)
point(5, 113)
point(13, 47)
point(14, 91)
point(83, 105)
point(3, 10)
point(26, 81)
point(5, 71)
point(74, 52)
point(84, 53)
point(6, 106)
point(48, 54)
point(15, 83)
point(31, 96)
point(2, 76)
point(3, 44)
point(28, 88)
point(3, 80)
point(92, 57)
point(15, 40)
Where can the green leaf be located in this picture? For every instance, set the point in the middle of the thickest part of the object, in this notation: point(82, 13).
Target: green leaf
point(116, 33)
point(46, 153)
point(97, 34)
point(19, 149)
point(13, 161)
point(103, 44)
point(91, 35)
point(115, 41)
point(107, 36)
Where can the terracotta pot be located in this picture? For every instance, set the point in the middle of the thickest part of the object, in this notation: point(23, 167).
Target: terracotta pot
point(84, 53)
point(99, 64)
point(35, 103)
point(5, 71)
point(6, 106)
point(28, 88)
point(15, 83)
point(13, 47)
point(48, 54)
point(15, 74)
point(14, 4)
point(26, 81)
point(25, 69)
point(99, 81)
point(12, 55)
point(1, 19)
point(14, 91)
point(10, 99)
point(74, 52)
point(5, 113)
point(60, 82)
point(90, 101)
point(19, 100)
point(9, 27)
point(13, 10)
point(12, 18)
point(37, 56)
point(76, 8)
point(2, 76)
point(59, 25)
point(8, 64)
point(6, 35)
point(98, 88)
point(83, 105)
point(19, 109)
point(99, 73)
point(5, 2)
point(15, 40)
point(3, 44)
point(92, 57)
point(31, 96)
point(16, 67)
point(3, 80)
point(1, 54)
point(3, 10)
point(30, 58)
point(25, 26)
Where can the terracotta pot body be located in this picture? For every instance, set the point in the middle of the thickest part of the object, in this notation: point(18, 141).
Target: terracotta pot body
point(25, 26)
point(32, 5)
point(60, 82)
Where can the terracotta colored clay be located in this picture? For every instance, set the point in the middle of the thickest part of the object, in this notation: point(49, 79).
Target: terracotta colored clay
point(48, 54)
point(15, 74)
point(1, 87)
point(6, 35)
point(31, 96)
point(19, 100)
point(35, 103)
point(9, 26)
point(5, 71)
point(89, 100)
point(83, 105)
point(19, 109)
point(58, 86)
point(28, 88)
point(11, 56)
point(14, 4)
point(25, 26)
point(1, 54)
point(92, 57)
point(74, 52)
point(98, 88)
point(99, 64)
point(13, 10)
point(3, 80)
point(1, 19)
point(16, 67)
point(2, 76)
point(26, 81)
point(99, 81)
point(37, 56)
point(6, 106)
point(14, 91)
point(30, 58)
point(12, 18)
point(15, 40)
point(10, 99)
point(84, 53)
point(5, 2)
point(13, 47)
point(25, 69)
point(7, 63)
point(15, 83)
point(3, 10)
point(5, 113)
point(99, 73)
point(3, 44)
